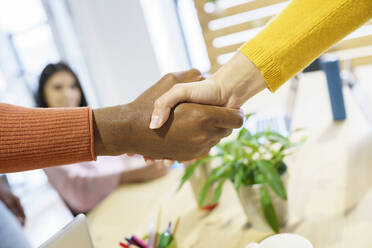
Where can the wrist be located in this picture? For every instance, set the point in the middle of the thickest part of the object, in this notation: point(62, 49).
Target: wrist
point(238, 80)
point(112, 127)
point(99, 147)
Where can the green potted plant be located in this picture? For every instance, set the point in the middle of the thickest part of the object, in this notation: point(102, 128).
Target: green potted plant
point(254, 164)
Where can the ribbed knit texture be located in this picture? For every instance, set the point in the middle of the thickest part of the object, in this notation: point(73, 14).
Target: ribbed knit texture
point(37, 138)
point(302, 32)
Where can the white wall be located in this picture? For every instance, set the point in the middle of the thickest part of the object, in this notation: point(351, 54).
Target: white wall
point(117, 47)
point(166, 35)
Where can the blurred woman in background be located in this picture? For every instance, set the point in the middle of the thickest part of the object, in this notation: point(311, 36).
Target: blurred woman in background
point(82, 186)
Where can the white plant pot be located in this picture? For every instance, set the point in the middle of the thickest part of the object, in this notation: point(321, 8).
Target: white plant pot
point(285, 240)
point(197, 181)
point(250, 199)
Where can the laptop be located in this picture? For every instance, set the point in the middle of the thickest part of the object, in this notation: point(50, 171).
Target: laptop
point(74, 234)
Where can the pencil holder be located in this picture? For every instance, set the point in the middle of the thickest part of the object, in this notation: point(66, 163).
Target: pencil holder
point(173, 243)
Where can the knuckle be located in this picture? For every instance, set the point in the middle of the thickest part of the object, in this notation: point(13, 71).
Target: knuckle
point(239, 121)
point(198, 114)
point(177, 87)
point(206, 120)
point(158, 103)
point(195, 72)
point(200, 117)
point(201, 139)
point(170, 77)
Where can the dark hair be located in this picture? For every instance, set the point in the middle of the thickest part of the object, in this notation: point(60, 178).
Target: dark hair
point(46, 74)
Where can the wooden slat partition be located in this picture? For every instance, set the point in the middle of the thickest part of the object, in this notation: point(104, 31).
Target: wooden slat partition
point(212, 34)
point(359, 61)
point(257, 4)
point(249, 7)
point(227, 49)
point(353, 43)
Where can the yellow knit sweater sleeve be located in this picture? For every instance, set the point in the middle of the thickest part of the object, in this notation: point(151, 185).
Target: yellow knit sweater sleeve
point(302, 32)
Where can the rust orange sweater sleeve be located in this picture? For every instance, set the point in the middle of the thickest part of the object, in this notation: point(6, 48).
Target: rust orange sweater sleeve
point(32, 138)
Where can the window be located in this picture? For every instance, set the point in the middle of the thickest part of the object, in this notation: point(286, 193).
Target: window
point(30, 36)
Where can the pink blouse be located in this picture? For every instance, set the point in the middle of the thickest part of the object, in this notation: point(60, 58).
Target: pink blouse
point(84, 185)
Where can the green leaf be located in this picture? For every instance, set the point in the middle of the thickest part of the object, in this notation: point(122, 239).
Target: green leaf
point(242, 132)
point(259, 178)
point(189, 171)
point(272, 177)
point(259, 134)
point(220, 171)
point(247, 116)
point(253, 144)
point(269, 210)
point(276, 137)
point(268, 130)
point(238, 179)
point(215, 175)
point(203, 191)
point(218, 191)
point(247, 135)
point(228, 157)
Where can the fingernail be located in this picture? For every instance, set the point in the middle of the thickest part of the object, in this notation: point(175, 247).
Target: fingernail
point(155, 120)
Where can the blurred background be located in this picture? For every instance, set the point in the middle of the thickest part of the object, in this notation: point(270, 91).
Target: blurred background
point(119, 48)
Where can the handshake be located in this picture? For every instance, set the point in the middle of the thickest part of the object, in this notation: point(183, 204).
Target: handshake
point(190, 131)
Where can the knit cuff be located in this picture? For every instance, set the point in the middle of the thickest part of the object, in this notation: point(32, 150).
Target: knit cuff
point(32, 138)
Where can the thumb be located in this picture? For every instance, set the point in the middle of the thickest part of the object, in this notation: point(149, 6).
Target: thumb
point(202, 92)
point(163, 105)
